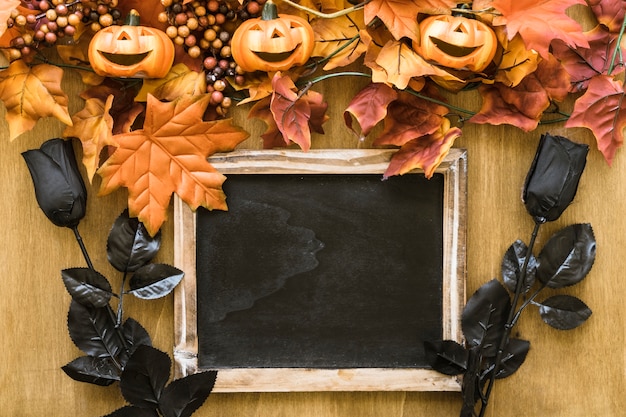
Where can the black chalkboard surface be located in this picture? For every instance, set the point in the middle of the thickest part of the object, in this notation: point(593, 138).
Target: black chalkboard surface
point(321, 276)
point(323, 271)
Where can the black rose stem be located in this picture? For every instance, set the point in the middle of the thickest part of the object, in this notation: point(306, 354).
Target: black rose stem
point(512, 318)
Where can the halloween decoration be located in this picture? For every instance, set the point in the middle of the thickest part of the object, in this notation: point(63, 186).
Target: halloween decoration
point(456, 42)
point(116, 350)
point(131, 50)
point(566, 259)
point(272, 42)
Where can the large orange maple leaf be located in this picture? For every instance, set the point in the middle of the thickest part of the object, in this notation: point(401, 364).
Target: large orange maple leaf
point(540, 22)
point(169, 155)
point(30, 93)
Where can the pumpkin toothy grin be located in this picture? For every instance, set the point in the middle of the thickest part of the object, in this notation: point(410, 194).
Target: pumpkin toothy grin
point(125, 59)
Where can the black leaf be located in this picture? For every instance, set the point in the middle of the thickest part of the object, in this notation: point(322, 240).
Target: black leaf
point(155, 281)
point(145, 376)
point(93, 331)
point(86, 286)
point(129, 245)
point(446, 356)
point(132, 411)
point(512, 265)
point(567, 257)
point(98, 371)
point(185, 395)
point(484, 317)
point(135, 336)
point(513, 356)
point(564, 312)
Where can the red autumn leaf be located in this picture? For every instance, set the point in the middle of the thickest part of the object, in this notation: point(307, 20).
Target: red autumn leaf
point(602, 109)
point(523, 105)
point(169, 155)
point(272, 138)
point(410, 117)
point(400, 16)
point(585, 63)
point(369, 106)
point(295, 113)
point(609, 13)
point(539, 23)
point(425, 152)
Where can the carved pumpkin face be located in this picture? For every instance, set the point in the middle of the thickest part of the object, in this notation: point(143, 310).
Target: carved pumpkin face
point(131, 51)
point(457, 42)
point(272, 42)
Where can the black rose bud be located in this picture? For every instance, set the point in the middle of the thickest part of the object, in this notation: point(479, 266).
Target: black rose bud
point(59, 187)
point(552, 180)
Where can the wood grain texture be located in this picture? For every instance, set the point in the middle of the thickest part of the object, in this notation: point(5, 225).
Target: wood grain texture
point(579, 373)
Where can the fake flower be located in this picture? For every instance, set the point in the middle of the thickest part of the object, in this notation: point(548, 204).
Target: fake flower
point(59, 188)
point(489, 352)
point(553, 178)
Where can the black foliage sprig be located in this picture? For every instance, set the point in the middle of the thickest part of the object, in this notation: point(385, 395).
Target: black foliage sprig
point(489, 352)
point(115, 350)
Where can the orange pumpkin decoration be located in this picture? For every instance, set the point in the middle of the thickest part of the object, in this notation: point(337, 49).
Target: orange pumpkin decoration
point(272, 42)
point(456, 42)
point(131, 50)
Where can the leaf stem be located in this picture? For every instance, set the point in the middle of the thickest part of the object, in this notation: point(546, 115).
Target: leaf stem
point(83, 249)
point(520, 285)
point(120, 304)
point(617, 48)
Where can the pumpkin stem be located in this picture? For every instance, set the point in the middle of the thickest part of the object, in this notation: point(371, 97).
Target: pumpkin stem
point(270, 11)
point(132, 19)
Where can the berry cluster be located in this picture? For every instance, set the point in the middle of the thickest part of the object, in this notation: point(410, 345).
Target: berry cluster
point(44, 23)
point(204, 28)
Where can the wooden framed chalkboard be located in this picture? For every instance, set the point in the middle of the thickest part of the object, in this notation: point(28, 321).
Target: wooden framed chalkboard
point(321, 276)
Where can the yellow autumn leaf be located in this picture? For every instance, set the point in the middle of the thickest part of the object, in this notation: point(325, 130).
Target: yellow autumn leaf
point(180, 80)
point(30, 93)
point(93, 125)
point(338, 40)
point(517, 62)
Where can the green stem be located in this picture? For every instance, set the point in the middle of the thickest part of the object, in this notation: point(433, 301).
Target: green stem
point(520, 285)
point(617, 47)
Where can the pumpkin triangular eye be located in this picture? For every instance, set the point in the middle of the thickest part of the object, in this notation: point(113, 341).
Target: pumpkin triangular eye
point(255, 27)
point(124, 36)
point(277, 34)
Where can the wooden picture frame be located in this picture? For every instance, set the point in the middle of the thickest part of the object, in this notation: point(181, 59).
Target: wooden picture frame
point(453, 170)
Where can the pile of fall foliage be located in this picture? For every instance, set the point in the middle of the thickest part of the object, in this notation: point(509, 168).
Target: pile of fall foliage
point(522, 56)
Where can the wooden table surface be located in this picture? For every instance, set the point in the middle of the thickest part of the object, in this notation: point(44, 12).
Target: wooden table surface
point(578, 373)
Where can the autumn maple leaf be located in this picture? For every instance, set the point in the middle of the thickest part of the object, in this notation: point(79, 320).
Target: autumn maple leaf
point(296, 113)
point(410, 117)
point(523, 105)
point(30, 93)
point(180, 80)
point(369, 106)
point(169, 155)
point(602, 109)
point(6, 8)
point(400, 16)
point(337, 40)
point(609, 13)
point(425, 152)
point(540, 22)
point(585, 63)
point(93, 125)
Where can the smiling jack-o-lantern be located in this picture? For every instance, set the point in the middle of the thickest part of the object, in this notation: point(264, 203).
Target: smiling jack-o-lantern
point(273, 42)
point(456, 42)
point(131, 50)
